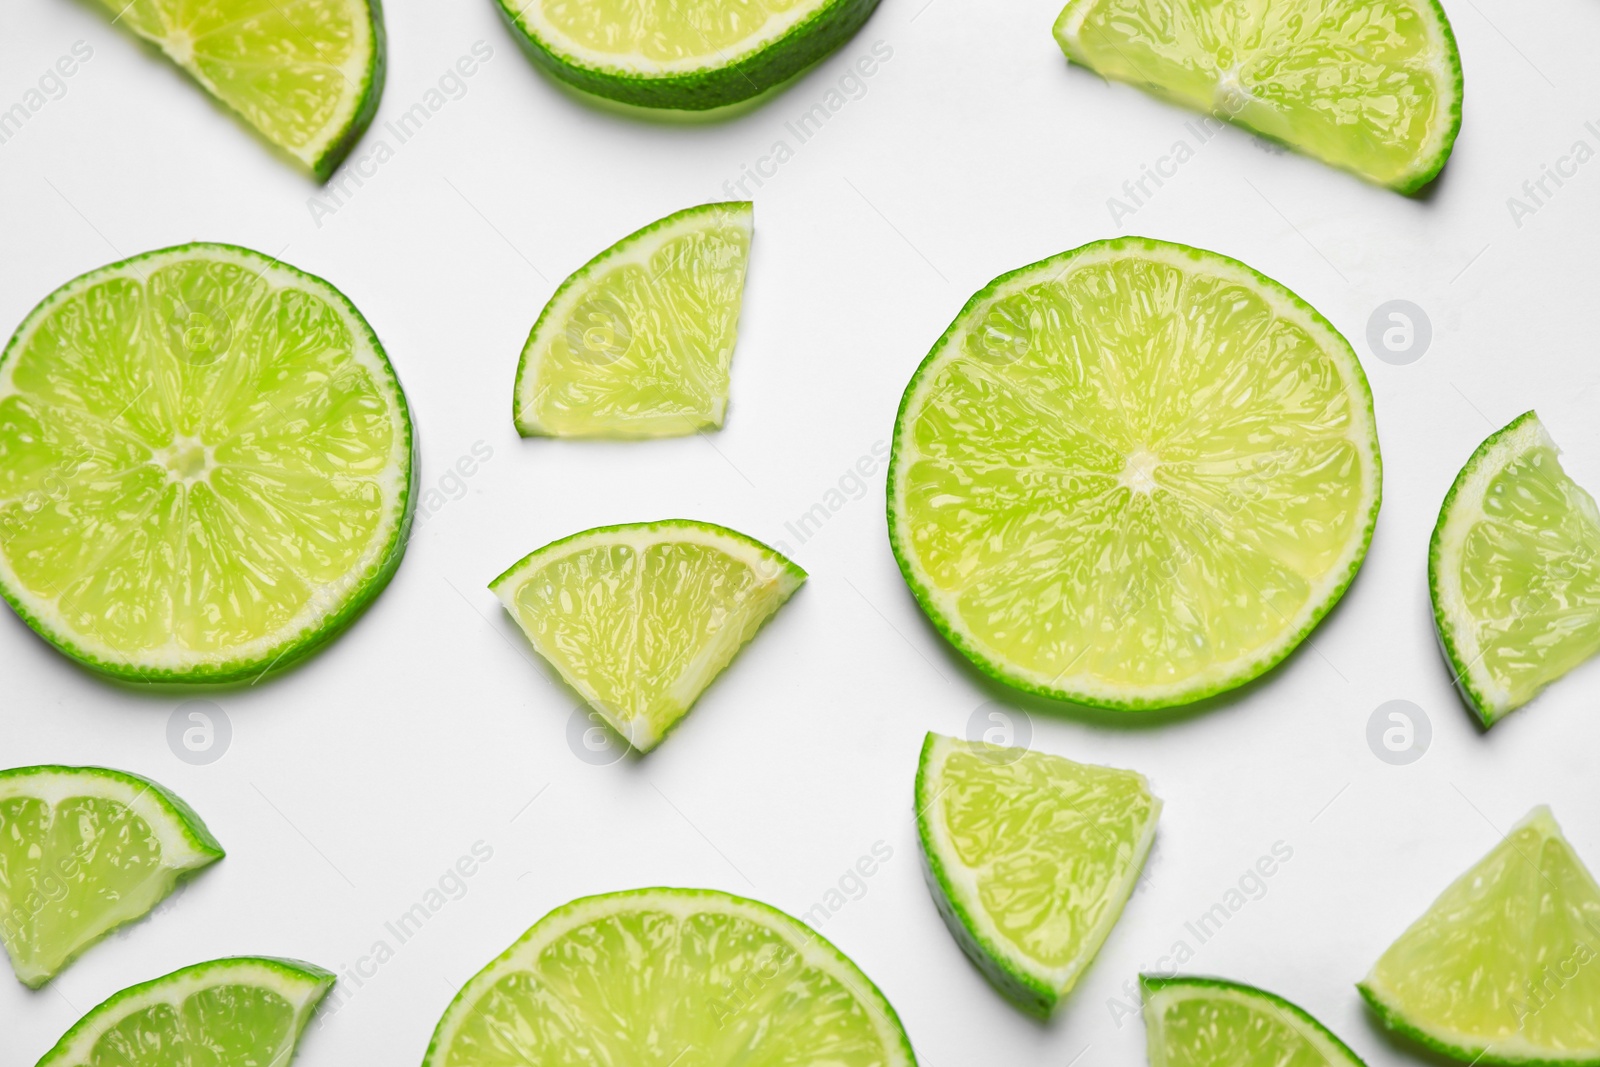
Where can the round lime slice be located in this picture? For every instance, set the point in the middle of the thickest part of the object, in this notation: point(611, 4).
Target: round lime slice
point(205, 466)
point(1208, 1022)
point(306, 74)
point(1514, 570)
point(1372, 87)
point(1504, 968)
point(245, 1010)
point(686, 977)
point(1133, 475)
point(1031, 858)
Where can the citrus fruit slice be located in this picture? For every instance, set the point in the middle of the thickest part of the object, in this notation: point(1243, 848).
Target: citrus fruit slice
point(683, 56)
point(1208, 1022)
point(1133, 475)
point(1504, 968)
point(1372, 87)
point(688, 977)
point(306, 74)
point(82, 851)
point(637, 342)
point(237, 1011)
point(205, 466)
point(1031, 858)
point(1514, 570)
point(640, 618)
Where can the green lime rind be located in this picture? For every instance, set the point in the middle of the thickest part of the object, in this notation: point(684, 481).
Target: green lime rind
point(816, 951)
point(1159, 990)
point(359, 592)
point(1396, 1022)
point(599, 533)
point(1356, 383)
point(733, 75)
point(302, 984)
point(323, 166)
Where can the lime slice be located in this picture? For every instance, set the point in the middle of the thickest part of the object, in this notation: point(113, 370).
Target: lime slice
point(1372, 86)
point(82, 851)
point(637, 342)
point(640, 618)
point(246, 1011)
point(1514, 569)
point(680, 977)
point(205, 466)
point(1030, 858)
point(1133, 475)
point(306, 74)
point(686, 56)
point(1208, 1022)
point(1504, 968)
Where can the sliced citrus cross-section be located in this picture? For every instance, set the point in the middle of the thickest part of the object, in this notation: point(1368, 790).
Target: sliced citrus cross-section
point(205, 466)
point(638, 341)
point(640, 618)
point(1133, 475)
point(1208, 1022)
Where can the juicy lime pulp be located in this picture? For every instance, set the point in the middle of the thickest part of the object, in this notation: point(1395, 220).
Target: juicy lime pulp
point(232, 1012)
point(640, 618)
point(670, 54)
point(1133, 475)
point(1514, 569)
point(306, 74)
point(686, 977)
point(1504, 968)
point(1031, 858)
point(638, 341)
point(205, 465)
point(1208, 1022)
point(82, 851)
point(1372, 86)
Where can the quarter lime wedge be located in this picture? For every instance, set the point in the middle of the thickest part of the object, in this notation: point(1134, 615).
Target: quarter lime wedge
point(640, 618)
point(1208, 1022)
point(1031, 858)
point(82, 851)
point(1514, 570)
point(1504, 968)
point(1372, 86)
point(306, 74)
point(246, 1011)
point(681, 977)
point(205, 466)
point(1133, 475)
point(637, 342)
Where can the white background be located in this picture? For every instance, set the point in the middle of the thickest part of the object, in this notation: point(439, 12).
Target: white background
point(353, 782)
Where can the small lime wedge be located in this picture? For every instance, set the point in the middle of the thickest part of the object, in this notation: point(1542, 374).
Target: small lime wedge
point(1208, 1022)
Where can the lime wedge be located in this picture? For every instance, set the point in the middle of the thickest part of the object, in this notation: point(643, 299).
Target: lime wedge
point(1514, 569)
point(246, 1011)
point(1372, 86)
point(640, 618)
point(1031, 858)
point(1504, 968)
point(205, 466)
point(681, 977)
point(82, 851)
point(685, 56)
point(1133, 475)
point(1208, 1022)
point(637, 342)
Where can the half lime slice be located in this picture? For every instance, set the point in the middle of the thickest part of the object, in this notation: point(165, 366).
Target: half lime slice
point(306, 74)
point(688, 977)
point(1372, 87)
point(245, 1010)
point(640, 618)
point(1514, 570)
point(1208, 1022)
point(1504, 968)
point(1133, 475)
point(1031, 858)
point(82, 851)
point(205, 466)
point(637, 342)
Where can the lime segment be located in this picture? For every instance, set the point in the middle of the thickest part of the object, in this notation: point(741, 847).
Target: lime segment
point(1207, 1022)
